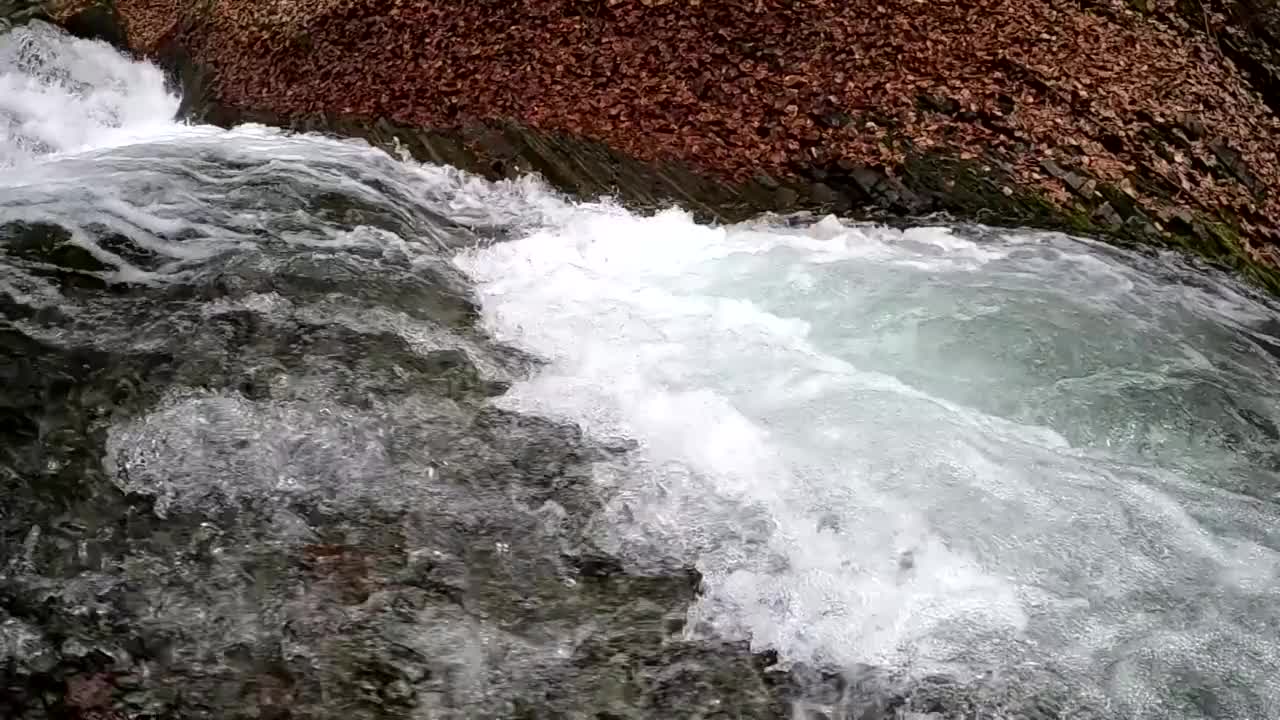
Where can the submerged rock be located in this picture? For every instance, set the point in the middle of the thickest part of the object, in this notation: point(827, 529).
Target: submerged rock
point(243, 506)
point(13, 12)
point(251, 468)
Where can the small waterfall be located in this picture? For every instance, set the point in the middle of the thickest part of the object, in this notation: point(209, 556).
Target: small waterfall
point(297, 426)
point(59, 94)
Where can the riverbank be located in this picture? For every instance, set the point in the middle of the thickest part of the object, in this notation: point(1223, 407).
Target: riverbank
point(1127, 121)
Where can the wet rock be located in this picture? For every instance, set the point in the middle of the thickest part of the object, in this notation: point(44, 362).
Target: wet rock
point(16, 12)
point(1078, 183)
point(875, 187)
point(785, 199)
point(1108, 216)
point(938, 104)
point(299, 515)
point(824, 196)
point(1123, 203)
point(46, 245)
point(95, 20)
point(1234, 163)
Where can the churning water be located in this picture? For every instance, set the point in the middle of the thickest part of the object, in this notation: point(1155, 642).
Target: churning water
point(1019, 455)
point(1032, 464)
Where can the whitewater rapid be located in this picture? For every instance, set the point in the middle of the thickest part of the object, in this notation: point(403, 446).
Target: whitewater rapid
point(1036, 463)
point(995, 454)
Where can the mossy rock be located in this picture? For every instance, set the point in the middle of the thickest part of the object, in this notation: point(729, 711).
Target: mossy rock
point(17, 12)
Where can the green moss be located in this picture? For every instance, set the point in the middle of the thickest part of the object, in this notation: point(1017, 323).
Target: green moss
point(1220, 242)
point(1228, 239)
point(977, 191)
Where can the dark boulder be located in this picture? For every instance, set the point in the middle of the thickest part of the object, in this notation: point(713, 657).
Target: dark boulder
point(16, 12)
point(97, 20)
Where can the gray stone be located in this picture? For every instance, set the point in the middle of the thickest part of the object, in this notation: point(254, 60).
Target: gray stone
point(784, 199)
point(1078, 183)
point(1108, 216)
point(1235, 164)
point(822, 195)
point(16, 12)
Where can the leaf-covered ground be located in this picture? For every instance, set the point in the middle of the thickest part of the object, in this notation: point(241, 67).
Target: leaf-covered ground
point(1065, 97)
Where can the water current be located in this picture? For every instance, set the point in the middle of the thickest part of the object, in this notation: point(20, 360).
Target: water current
point(1042, 468)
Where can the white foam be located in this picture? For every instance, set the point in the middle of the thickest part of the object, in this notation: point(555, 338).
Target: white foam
point(61, 94)
point(917, 449)
point(857, 494)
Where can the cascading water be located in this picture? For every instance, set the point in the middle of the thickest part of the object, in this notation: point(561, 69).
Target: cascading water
point(1017, 456)
point(290, 425)
point(90, 98)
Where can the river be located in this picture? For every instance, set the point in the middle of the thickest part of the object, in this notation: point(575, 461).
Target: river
point(295, 425)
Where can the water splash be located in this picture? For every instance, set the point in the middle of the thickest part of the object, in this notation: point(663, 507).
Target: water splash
point(61, 94)
point(927, 450)
point(1040, 466)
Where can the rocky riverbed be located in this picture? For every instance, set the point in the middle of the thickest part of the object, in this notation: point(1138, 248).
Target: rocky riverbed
point(249, 459)
point(168, 549)
point(207, 420)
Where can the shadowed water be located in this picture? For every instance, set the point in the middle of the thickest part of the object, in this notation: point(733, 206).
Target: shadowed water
point(292, 428)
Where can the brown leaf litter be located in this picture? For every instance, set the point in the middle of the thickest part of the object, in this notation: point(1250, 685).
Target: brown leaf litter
point(739, 87)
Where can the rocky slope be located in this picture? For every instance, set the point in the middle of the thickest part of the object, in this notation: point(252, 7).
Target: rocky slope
point(1149, 120)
